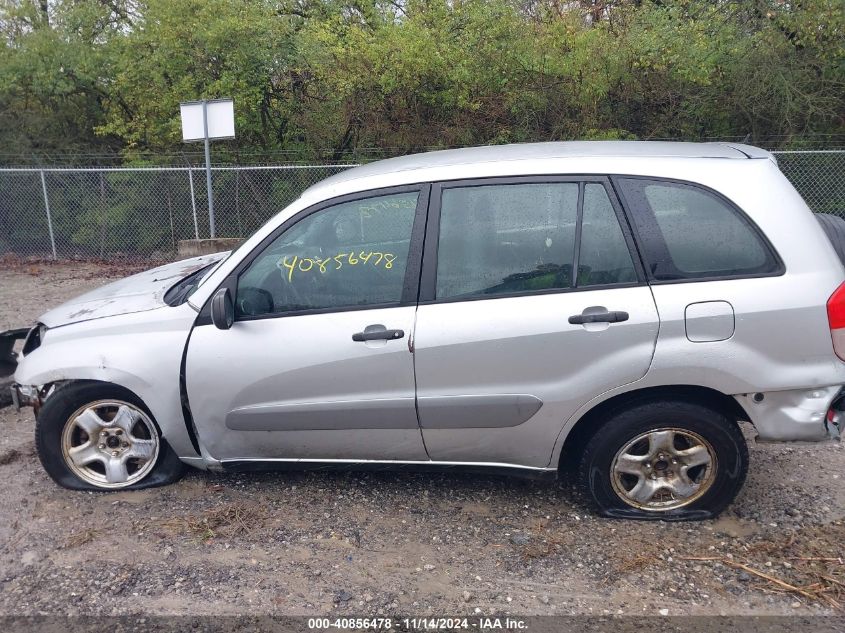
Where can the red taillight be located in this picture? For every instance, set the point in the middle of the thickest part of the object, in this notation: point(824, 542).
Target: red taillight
point(836, 318)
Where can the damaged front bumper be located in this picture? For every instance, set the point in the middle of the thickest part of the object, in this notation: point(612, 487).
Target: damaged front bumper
point(8, 356)
point(26, 396)
point(22, 395)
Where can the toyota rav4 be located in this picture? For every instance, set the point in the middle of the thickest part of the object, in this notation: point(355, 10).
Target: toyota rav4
point(608, 309)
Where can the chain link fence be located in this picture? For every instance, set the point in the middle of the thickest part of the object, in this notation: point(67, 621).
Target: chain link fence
point(819, 176)
point(143, 213)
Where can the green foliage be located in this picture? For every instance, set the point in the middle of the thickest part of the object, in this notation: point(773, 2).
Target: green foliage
point(194, 49)
point(331, 79)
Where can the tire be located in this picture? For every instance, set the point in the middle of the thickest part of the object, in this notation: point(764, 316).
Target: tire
point(665, 460)
point(113, 415)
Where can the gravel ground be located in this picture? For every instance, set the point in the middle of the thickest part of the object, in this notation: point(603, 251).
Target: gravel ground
point(397, 543)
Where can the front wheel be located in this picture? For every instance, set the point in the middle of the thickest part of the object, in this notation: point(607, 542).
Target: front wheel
point(97, 436)
point(664, 460)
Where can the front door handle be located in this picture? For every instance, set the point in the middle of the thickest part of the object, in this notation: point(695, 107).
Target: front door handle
point(377, 335)
point(601, 317)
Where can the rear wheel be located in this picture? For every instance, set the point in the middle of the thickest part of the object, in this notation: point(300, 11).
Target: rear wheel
point(97, 436)
point(664, 460)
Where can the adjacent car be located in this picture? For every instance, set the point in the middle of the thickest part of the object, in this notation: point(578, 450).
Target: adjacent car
point(611, 310)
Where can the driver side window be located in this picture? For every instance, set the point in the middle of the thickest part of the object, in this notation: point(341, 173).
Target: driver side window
point(347, 255)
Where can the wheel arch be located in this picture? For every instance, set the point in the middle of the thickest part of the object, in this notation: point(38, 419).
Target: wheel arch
point(159, 392)
point(50, 389)
point(588, 423)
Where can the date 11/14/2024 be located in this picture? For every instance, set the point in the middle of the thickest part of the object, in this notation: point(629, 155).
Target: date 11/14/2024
point(426, 623)
point(335, 262)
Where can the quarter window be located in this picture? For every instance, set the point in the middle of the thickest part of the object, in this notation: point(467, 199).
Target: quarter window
point(690, 233)
point(348, 255)
point(518, 238)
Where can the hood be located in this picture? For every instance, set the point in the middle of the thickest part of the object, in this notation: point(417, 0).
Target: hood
point(144, 291)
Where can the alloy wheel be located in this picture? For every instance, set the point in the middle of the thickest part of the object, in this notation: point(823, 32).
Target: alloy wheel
point(663, 469)
point(110, 444)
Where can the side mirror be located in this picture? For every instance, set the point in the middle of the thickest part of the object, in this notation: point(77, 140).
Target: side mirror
point(222, 309)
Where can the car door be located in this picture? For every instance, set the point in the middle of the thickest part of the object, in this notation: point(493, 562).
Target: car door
point(317, 364)
point(531, 305)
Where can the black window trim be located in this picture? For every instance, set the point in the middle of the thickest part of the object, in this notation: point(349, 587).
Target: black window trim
point(778, 270)
point(428, 279)
point(410, 284)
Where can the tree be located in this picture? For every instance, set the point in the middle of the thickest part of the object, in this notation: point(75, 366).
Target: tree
point(331, 79)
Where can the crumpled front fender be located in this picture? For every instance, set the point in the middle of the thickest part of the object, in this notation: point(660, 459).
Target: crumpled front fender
point(141, 352)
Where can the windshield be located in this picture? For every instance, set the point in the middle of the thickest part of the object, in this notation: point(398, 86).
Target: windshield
point(207, 272)
point(179, 292)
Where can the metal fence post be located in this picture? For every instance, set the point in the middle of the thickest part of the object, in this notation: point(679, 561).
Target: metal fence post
point(193, 203)
point(105, 212)
point(238, 204)
point(208, 170)
point(47, 208)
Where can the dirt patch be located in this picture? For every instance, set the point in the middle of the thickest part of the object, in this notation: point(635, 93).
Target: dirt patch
point(90, 268)
point(28, 287)
point(398, 543)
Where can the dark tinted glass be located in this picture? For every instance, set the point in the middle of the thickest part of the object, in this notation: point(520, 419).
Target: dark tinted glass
point(351, 254)
point(689, 233)
point(498, 239)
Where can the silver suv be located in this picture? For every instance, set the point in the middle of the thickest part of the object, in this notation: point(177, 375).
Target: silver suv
point(612, 309)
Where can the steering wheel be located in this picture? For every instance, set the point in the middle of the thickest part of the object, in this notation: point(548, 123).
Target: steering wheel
point(283, 295)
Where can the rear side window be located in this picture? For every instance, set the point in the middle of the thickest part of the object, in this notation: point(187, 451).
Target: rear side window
point(525, 237)
point(688, 232)
point(498, 239)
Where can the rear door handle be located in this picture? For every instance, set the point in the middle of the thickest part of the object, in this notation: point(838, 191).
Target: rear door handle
point(378, 335)
point(601, 317)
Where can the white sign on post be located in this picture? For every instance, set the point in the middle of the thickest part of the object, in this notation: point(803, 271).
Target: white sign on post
point(202, 121)
point(221, 120)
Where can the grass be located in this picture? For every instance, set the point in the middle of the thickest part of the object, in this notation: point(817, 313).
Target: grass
point(229, 520)
point(80, 538)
